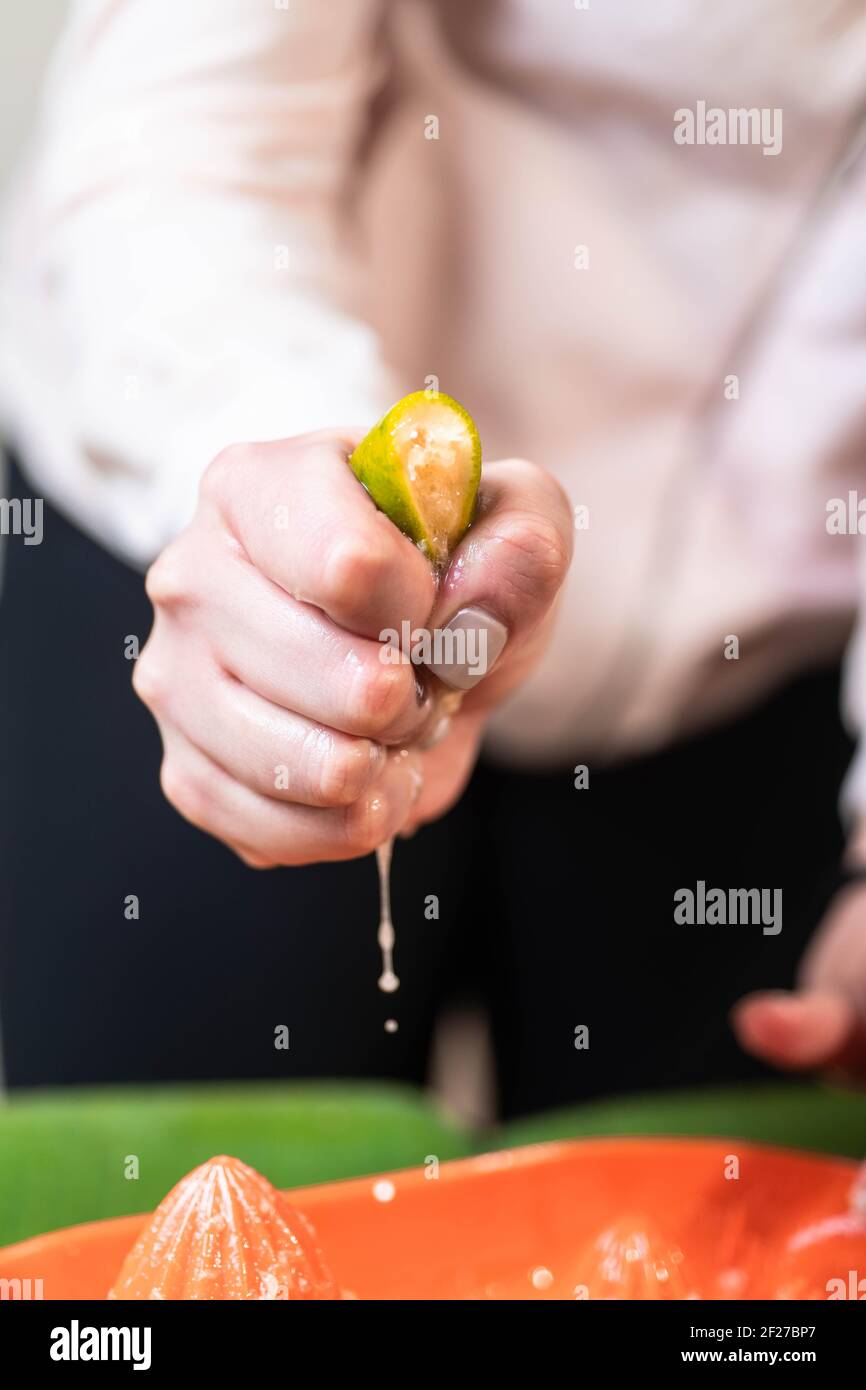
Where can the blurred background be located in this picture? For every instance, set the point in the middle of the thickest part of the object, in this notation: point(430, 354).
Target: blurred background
point(27, 33)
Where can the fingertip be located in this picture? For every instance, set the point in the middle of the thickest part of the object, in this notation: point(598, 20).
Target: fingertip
point(793, 1030)
point(382, 814)
point(761, 1023)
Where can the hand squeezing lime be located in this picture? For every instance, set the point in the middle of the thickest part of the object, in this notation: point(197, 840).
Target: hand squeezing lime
point(421, 465)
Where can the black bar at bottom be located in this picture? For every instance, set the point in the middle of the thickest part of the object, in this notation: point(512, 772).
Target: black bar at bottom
point(158, 1337)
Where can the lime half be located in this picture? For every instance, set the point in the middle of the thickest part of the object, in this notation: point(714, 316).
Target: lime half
point(421, 465)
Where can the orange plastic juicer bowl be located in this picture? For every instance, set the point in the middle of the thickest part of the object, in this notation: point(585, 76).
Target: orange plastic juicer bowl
point(599, 1218)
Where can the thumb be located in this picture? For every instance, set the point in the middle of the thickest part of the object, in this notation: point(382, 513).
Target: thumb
point(815, 1028)
point(504, 576)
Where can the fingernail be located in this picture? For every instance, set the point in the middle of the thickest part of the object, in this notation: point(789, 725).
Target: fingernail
point(468, 648)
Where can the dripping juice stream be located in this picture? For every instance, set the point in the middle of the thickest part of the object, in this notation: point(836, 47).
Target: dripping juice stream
point(447, 704)
point(388, 981)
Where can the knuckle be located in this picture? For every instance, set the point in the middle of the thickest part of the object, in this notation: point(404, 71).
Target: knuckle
point(148, 682)
point(168, 580)
point(380, 696)
point(345, 772)
point(533, 480)
point(183, 792)
point(215, 476)
point(539, 554)
point(557, 502)
point(355, 569)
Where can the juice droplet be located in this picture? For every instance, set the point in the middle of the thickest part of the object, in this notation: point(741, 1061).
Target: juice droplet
point(384, 1191)
point(391, 1025)
point(388, 981)
point(541, 1278)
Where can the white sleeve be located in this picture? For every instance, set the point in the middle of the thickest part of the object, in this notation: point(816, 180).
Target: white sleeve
point(177, 275)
